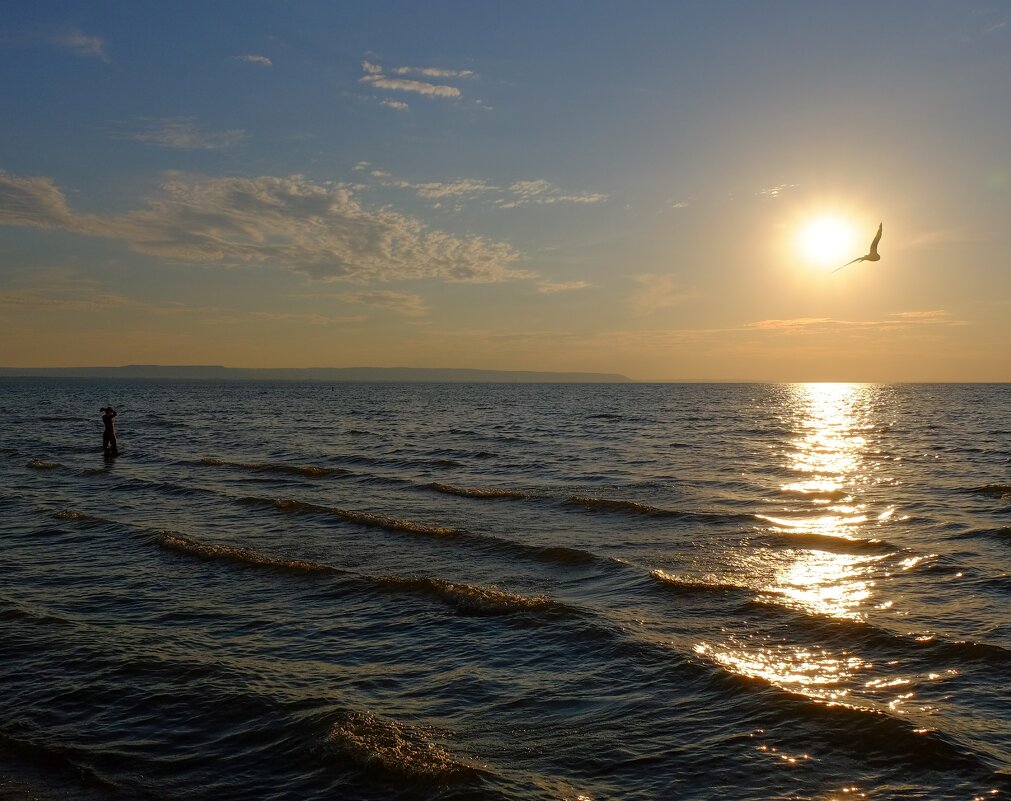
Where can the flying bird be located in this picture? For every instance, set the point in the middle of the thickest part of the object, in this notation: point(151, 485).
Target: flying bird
point(871, 256)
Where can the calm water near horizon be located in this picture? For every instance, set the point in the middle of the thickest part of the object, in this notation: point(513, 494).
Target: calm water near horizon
point(480, 591)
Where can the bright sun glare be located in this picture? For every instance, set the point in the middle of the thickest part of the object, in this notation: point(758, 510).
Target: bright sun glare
point(826, 241)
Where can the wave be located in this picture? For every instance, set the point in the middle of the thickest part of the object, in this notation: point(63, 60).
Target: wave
point(478, 492)
point(59, 418)
point(1001, 491)
point(230, 553)
point(645, 510)
point(38, 464)
point(9, 451)
point(831, 629)
point(36, 618)
point(469, 599)
point(51, 760)
point(368, 519)
point(1002, 534)
point(392, 523)
point(162, 422)
point(394, 747)
point(562, 554)
point(311, 471)
point(834, 543)
point(874, 735)
point(821, 495)
point(554, 554)
point(81, 517)
point(707, 583)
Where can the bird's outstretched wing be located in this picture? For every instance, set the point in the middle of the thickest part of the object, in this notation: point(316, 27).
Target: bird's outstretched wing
point(877, 238)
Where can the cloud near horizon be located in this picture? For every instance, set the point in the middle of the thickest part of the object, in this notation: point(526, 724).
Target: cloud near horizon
point(319, 230)
point(892, 322)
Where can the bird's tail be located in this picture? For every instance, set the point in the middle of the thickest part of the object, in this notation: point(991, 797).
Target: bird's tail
point(847, 264)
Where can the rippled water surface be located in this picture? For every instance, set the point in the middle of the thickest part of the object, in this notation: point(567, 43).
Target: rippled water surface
point(294, 591)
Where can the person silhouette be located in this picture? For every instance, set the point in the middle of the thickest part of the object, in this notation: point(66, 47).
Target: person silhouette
point(109, 443)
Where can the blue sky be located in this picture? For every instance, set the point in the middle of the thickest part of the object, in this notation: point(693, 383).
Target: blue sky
point(589, 186)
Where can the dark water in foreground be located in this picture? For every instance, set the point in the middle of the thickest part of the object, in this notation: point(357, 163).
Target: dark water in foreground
point(283, 591)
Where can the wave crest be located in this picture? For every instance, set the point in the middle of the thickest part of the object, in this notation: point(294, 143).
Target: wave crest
point(38, 464)
point(707, 583)
point(1002, 491)
point(397, 748)
point(477, 492)
point(596, 504)
point(311, 471)
point(368, 519)
point(230, 553)
point(469, 599)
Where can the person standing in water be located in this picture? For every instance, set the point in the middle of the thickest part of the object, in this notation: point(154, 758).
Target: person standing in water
point(109, 444)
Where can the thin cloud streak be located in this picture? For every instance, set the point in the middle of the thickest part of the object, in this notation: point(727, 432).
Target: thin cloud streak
point(554, 287)
point(405, 303)
point(409, 85)
point(519, 193)
point(80, 43)
point(374, 75)
point(252, 58)
point(182, 133)
point(658, 292)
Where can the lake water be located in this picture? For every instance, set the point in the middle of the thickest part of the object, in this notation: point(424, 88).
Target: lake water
point(446, 591)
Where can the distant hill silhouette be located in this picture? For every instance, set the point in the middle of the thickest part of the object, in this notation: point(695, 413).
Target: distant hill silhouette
point(331, 374)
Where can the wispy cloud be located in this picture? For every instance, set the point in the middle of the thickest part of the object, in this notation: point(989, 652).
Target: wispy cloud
point(544, 192)
point(430, 72)
point(320, 230)
point(827, 325)
point(773, 192)
point(553, 287)
point(519, 193)
point(374, 75)
point(181, 133)
point(252, 58)
point(933, 314)
point(436, 190)
point(80, 43)
point(409, 85)
point(399, 105)
point(72, 300)
point(75, 299)
point(657, 292)
point(408, 304)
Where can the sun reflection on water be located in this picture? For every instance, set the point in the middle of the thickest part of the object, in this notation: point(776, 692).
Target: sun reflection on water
point(819, 508)
point(830, 454)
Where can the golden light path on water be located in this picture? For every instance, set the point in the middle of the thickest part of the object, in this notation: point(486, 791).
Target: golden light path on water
point(821, 510)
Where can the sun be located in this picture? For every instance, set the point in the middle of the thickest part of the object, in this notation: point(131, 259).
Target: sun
point(826, 240)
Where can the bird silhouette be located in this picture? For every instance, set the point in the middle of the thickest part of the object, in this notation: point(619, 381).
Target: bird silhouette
point(871, 256)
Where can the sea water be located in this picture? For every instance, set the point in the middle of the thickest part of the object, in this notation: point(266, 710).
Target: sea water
point(517, 591)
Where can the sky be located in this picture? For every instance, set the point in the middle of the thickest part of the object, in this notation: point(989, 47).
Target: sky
point(659, 189)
